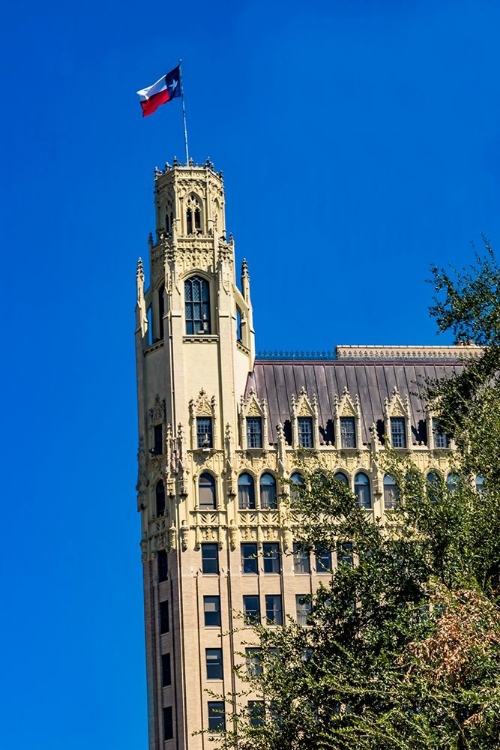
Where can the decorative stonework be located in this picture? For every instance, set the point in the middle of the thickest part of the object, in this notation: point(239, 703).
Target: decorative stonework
point(345, 406)
point(397, 407)
point(252, 407)
point(390, 353)
point(304, 407)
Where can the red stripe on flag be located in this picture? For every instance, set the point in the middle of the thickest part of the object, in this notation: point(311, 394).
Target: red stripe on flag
point(151, 105)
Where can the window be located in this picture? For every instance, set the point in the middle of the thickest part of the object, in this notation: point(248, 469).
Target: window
point(168, 723)
point(246, 492)
point(341, 477)
point(271, 552)
point(162, 565)
point(391, 492)
point(305, 430)
point(197, 298)
point(216, 718)
point(166, 674)
point(210, 558)
point(251, 609)
point(254, 664)
point(398, 436)
point(206, 486)
point(160, 498)
point(249, 557)
point(254, 432)
point(211, 608)
point(296, 481)
point(432, 486)
point(303, 606)
point(256, 713)
point(274, 610)
point(362, 491)
point(238, 325)
point(161, 309)
point(301, 561)
point(323, 560)
point(453, 482)
point(158, 439)
point(440, 437)
point(480, 484)
point(214, 663)
point(344, 554)
point(204, 432)
point(347, 432)
point(268, 492)
point(164, 619)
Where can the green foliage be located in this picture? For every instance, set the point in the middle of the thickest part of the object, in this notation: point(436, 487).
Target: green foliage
point(402, 649)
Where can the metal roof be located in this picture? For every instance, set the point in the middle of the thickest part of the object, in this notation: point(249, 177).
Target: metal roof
point(372, 381)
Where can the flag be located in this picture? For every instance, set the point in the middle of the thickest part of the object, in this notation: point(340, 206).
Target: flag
point(162, 91)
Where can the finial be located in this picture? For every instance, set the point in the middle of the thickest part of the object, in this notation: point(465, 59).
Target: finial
point(140, 268)
point(175, 162)
point(191, 162)
point(244, 267)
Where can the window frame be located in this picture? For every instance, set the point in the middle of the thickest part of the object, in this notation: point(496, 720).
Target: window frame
point(391, 492)
point(399, 433)
point(251, 616)
point(162, 565)
point(193, 323)
point(271, 558)
point(164, 617)
point(218, 663)
point(308, 434)
point(212, 599)
point(301, 555)
point(216, 716)
point(254, 436)
point(208, 482)
point(251, 561)
point(160, 499)
point(204, 433)
point(166, 670)
point(168, 723)
point(209, 561)
point(277, 613)
point(363, 499)
point(348, 436)
point(302, 609)
point(249, 503)
point(268, 491)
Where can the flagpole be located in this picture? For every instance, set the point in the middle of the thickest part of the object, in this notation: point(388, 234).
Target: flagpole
point(184, 113)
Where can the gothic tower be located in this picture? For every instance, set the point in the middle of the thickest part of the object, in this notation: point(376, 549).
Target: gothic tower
point(195, 349)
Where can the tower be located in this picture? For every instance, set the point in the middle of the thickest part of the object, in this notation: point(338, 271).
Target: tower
point(195, 349)
point(223, 438)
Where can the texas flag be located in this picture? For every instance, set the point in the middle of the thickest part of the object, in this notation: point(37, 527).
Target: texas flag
point(162, 91)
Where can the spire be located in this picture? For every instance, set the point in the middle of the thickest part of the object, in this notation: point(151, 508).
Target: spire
point(245, 281)
point(141, 315)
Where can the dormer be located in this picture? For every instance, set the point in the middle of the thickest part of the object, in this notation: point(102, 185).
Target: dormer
point(203, 422)
point(304, 412)
point(397, 420)
point(347, 421)
point(252, 418)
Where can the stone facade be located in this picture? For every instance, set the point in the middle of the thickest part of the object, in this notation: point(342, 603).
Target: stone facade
point(220, 435)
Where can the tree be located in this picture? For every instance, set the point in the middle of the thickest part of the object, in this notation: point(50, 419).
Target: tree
point(402, 648)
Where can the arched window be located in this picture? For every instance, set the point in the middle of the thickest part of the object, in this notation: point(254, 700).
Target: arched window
point(197, 294)
point(206, 486)
point(362, 491)
point(391, 492)
point(480, 484)
point(432, 486)
point(268, 492)
point(160, 499)
point(296, 481)
point(341, 477)
point(246, 492)
point(238, 325)
point(193, 215)
point(453, 482)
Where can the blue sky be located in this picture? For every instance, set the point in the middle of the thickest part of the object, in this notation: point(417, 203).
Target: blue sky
point(359, 141)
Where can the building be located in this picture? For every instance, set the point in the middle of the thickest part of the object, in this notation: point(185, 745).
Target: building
point(222, 434)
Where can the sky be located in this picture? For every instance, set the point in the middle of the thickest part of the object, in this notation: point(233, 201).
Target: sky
point(359, 141)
